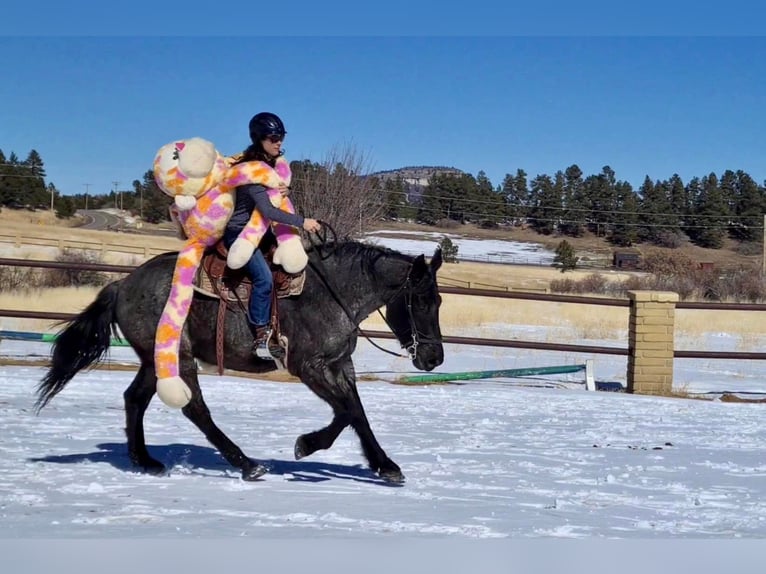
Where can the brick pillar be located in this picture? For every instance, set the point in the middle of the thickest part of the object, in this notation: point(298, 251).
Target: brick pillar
point(650, 342)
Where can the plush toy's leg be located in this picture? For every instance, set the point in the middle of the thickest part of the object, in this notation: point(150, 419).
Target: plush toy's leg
point(171, 388)
point(247, 241)
point(289, 252)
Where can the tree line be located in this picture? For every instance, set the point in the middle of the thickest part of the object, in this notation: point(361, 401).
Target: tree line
point(341, 191)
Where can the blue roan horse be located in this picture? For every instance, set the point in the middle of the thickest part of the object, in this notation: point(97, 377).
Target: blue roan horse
point(345, 282)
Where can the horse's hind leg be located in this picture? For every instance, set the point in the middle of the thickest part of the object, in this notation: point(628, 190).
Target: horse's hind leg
point(137, 397)
point(197, 412)
point(322, 439)
point(336, 384)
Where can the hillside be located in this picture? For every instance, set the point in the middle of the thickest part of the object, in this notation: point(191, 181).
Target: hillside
point(587, 245)
point(416, 175)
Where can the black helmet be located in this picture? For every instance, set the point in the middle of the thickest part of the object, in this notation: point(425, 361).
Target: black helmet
point(265, 124)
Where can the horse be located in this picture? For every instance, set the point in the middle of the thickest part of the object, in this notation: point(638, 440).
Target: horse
point(345, 282)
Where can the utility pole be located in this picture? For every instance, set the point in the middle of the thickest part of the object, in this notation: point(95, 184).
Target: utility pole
point(87, 188)
point(115, 184)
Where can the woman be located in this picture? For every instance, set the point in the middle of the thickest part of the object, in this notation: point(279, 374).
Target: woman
point(267, 132)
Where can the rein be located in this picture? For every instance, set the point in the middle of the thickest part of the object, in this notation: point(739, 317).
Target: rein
point(321, 271)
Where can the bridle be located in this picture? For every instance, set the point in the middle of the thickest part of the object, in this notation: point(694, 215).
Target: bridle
point(416, 337)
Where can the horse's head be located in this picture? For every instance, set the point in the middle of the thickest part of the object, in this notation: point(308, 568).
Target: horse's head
point(414, 314)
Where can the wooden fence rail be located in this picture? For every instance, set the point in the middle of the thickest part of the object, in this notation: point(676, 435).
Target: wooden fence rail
point(650, 349)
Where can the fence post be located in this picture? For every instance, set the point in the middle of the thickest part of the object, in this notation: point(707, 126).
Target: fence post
point(651, 342)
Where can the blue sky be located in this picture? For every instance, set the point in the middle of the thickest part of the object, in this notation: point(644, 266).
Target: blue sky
point(98, 108)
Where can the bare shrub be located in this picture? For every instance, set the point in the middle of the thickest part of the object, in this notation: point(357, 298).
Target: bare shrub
point(745, 284)
point(749, 248)
point(338, 191)
point(593, 283)
point(662, 262)
point(564, 286)
point(74, 277)
point(19, 278)
point(669, 239)
point(448, 224)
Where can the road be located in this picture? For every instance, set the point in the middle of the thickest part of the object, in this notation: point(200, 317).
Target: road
point(99, 219)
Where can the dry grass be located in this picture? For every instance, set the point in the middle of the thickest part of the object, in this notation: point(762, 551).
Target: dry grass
point(37, 218)
point(459, 313)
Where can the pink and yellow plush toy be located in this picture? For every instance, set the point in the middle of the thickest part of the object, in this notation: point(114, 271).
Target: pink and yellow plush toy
point(202, 183)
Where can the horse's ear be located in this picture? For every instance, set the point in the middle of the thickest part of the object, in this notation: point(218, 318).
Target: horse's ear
point(419, 267)
point(436, 260)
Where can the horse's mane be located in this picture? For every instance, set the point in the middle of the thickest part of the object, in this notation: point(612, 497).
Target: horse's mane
point(366, 253)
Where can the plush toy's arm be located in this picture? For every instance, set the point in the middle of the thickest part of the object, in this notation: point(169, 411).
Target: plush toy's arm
point(175, 218)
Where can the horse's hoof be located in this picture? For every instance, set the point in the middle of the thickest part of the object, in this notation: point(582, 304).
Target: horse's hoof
point(254, 472)
point(301, 449)
point(392, 476)
point(148, 465)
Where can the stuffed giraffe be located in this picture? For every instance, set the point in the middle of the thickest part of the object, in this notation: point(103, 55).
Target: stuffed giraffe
point(202, 183)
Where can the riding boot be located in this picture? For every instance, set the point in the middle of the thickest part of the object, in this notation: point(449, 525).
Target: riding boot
point(265, 346)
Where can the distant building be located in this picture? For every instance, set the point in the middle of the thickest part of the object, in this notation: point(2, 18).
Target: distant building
point(626, 259)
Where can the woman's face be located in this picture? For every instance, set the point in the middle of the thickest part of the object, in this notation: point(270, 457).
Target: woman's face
point(272, 144)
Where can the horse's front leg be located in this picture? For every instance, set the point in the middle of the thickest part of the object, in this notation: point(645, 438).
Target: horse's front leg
point(336, 384)
point(197, 412)
point(137, 398)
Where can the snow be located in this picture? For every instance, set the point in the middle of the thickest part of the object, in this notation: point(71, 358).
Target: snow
point(499, 459)
point(483, 459)
point(491, 250)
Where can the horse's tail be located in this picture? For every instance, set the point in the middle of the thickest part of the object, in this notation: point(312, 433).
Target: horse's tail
point(82, 343)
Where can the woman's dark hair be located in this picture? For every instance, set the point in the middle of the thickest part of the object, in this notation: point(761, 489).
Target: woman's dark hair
point(255, 152)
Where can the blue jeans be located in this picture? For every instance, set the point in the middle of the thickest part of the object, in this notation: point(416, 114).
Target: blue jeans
point(259, 310)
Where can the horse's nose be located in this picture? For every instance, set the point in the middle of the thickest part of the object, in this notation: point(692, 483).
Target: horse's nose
point(432, 360)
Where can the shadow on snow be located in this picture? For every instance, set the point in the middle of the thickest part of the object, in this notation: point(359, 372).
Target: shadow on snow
point(195, 459)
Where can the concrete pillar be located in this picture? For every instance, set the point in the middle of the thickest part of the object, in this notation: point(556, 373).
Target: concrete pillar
point(651, 342)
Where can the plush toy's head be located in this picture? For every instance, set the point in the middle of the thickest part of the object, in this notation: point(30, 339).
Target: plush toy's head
point(187, 169)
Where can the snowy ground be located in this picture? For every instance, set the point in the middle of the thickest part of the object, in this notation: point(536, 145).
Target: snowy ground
point(498, 459)
point(489, 459)
point(488, 250)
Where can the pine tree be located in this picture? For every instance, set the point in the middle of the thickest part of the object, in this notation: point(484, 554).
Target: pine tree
point(546, 205)
point(749, 205)
point(565, 256)
point(625, 231)
point(449, 250)
point(711, 215)
point(574, 215)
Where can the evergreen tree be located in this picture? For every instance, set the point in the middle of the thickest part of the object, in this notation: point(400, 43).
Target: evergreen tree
point(449, 250)
point(395, 197)
point(516, 194)
point(32, 174)
point(565, 256)
point(749, 207)
point(601, 198)
point(658, 219)
point(546, 207)
point(575, 206)
point(625, 231)
point(65, 207)
point(711, 215)
point(156, 203)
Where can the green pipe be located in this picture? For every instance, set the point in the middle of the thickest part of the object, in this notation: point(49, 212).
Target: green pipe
point(47, 338)
point(468, 375)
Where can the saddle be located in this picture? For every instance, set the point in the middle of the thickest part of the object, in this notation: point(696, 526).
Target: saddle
point(233, 287)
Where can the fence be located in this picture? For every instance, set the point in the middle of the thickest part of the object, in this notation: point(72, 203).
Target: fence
point(100, 242)
point(650, 349)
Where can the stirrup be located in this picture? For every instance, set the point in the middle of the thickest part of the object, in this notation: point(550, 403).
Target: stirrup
point(263, 349)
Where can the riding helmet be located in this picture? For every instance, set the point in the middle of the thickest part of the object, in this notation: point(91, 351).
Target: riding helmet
point(265, 124)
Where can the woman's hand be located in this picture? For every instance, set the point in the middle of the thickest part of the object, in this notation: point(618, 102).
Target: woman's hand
point(283, 189)
point(311, 225)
